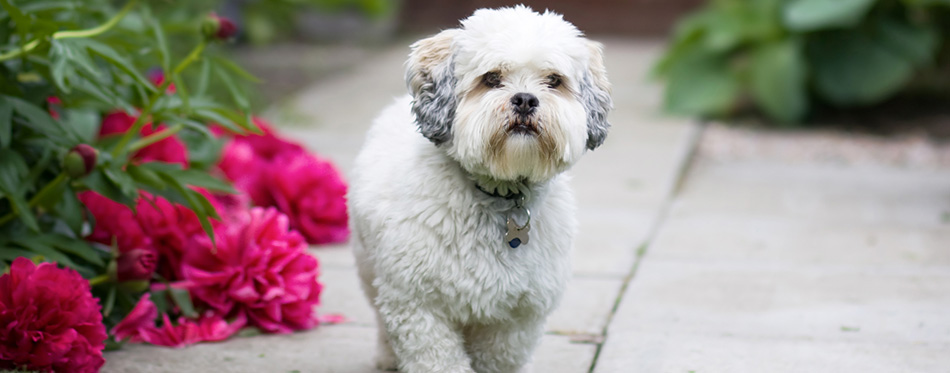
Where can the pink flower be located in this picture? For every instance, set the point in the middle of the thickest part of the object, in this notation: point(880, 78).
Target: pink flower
point(142, 316)
point(136, 264)
point(157, 77)
point(312, 193)
point(170, 149)
point(49, 320)
point(114, 220)
point(139, 326)
point(170, 227)
point(260, 269)
point(280, 173)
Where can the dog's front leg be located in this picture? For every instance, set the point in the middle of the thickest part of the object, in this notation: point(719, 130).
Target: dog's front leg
point(504, 348)
point(423, 342)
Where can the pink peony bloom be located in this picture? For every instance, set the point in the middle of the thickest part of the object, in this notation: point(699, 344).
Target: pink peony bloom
point(114, 220)
point(139, 326)
point(170, 227)
point(260, 269)
point(312, 193)
point(157, 77)
point(280, 173)
point(136, 264)
point(142, 316)
point(170, 149)
point(49, 320)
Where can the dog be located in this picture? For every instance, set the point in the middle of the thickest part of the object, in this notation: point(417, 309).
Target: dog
point(463, 216)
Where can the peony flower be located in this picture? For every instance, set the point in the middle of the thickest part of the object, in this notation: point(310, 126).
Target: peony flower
point(49, 320)
point(312, 193)
point(260, 269)
point(136, 264)
point(169, 149)
point(216, 27)
point(170, 227)
point(139, 326)
point(114, 221)
point(141, 317)
point(245, 159)
point(157, 77)
point(80, 160)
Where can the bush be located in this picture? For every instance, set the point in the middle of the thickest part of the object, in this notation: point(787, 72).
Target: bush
point(785, 57)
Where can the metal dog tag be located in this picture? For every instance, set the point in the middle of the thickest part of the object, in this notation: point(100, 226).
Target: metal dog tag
point(516, 235)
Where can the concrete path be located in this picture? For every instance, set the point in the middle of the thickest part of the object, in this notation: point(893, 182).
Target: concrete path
point(685, 262)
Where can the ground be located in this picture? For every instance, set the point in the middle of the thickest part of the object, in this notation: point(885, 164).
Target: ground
point(703, 247)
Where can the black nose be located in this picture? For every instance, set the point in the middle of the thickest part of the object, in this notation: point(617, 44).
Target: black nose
point(525, 103)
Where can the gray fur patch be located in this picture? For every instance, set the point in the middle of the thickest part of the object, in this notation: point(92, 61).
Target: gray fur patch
point(598, 103)
point(434, 104)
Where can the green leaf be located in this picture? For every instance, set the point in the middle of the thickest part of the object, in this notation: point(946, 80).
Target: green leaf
point(145, 175)
point(35, 245)
point(811, 15)
point(207, 206)
point(98, 182)
point(40, 121)
point(188, 177)
point(85, 122)
point(162, 44)
point(113, 57)
point(8, 254)
point(700, 83)
point(13, 170)
point(777, 79)
point(109, 303)
point(6, 122)
point(851, 68)
point(123, 181)
point(182, 299)
point(192, 202)
point(73, 246)
point(217, 118)
point(204, 77)
point(230, 65)
point(70, 210)
point(240, 99)
point(918, 43)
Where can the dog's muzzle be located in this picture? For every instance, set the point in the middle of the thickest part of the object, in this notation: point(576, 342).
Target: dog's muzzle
point(524, 105)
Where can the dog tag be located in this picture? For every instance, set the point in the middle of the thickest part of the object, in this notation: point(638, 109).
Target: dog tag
point(516, 235)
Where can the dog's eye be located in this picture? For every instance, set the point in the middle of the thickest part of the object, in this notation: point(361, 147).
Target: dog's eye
point(492, 79)
point(554, 81)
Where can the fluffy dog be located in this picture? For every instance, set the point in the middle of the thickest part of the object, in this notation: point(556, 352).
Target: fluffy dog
point(463, 217)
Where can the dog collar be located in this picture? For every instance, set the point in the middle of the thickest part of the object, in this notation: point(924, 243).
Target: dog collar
point(517, 234)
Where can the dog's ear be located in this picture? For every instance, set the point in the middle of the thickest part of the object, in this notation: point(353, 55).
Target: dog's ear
point(595, 95)
point(431, 82)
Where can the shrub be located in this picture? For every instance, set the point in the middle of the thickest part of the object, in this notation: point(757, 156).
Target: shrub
point(784, 57)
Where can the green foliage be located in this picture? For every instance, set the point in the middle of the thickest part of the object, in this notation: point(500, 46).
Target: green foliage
point(94, 58)
point(784, 57)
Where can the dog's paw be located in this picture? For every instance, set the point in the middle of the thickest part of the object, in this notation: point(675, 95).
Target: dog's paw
point(386, 362)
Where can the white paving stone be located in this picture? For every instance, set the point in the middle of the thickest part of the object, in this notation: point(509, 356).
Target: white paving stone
point(586, 306)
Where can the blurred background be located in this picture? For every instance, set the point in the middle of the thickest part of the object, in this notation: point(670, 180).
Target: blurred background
point(879, 66)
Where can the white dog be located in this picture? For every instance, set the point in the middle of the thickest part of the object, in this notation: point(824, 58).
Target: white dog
point(463, 218)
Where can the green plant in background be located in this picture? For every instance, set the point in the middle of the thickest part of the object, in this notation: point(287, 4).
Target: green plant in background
point(784, 57)
point(63, 66)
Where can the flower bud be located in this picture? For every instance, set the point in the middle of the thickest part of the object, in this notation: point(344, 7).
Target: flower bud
point(220, 28)
point(136, 264)
point(80, 160)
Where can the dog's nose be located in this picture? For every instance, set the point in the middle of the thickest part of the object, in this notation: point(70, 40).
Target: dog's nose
point(524, 103)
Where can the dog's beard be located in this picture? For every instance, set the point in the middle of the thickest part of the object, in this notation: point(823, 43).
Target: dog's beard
point(523, 147)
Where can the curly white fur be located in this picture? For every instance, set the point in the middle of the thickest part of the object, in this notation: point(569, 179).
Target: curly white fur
point(451, 295)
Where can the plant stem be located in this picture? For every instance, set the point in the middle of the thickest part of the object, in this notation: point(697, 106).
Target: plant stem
point(72, 34)
point(140, 121)
point(99, 279)
point(155, 137)
point(37, 197)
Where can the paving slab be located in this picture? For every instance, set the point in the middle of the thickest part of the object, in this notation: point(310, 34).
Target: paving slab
point(779, 266)
point(326, 349)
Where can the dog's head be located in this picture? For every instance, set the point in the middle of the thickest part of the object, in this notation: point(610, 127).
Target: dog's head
point(511, 94)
